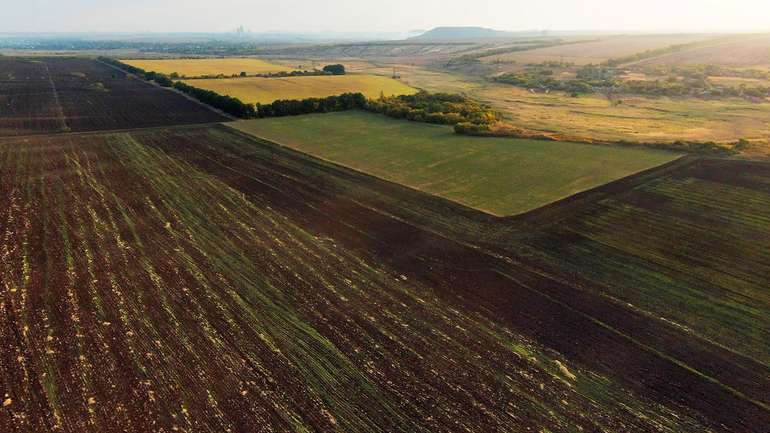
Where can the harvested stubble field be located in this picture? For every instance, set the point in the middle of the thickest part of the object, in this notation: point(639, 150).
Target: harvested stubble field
point(500, 176)
point(45, 95)
point(267, 90)
point(637, 118)
point(412, 52)
point(752, 51)
point(598, 51)
point(187, 280)
point(210, 66)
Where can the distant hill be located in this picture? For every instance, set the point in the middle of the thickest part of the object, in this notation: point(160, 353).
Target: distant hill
point(459, 33)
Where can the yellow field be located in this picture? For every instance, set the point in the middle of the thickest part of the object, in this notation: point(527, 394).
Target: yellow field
point(201, 67)
point(636, 119)
point(267, 90)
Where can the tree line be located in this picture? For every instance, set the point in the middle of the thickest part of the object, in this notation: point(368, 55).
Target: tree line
point(336, 69)
point(343, 102)
point(438, 108)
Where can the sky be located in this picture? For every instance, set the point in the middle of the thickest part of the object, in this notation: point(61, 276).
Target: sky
point(381, 15)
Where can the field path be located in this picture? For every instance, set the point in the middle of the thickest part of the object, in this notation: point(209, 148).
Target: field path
point(59, 109)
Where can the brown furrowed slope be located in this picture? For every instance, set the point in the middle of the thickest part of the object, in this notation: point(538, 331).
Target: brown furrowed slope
point(653, 356)
point(67, 94)
point(27, 99)
point(186, 280)
point(691, 245)
point(141, 292)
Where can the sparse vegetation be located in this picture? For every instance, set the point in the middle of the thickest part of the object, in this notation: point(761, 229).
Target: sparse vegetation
point(640, 119)
point(593, 79)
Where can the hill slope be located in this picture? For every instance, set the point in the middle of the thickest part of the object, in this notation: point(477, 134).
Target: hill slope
point(457, 33)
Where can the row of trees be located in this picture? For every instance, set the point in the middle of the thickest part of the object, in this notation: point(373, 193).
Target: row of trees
point(228, 104)
point(157, 77)
point(327, 70)
point(543, 80)
point(126, 67)
point(525, 45)
point(438, 108)
point(345, 101)
point(280, 74)
point(648, 54)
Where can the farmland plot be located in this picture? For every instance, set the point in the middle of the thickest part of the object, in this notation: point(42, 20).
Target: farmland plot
point(27, 99)
point(267, 90)
point(201, 67)
point(690, 246)
point(600, 50)
point(65, 94)
point(750, 51)
point(498, 175)
point(151, 281)
point(509, 286)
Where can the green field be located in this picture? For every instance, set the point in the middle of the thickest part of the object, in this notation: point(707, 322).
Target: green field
point(499, 176)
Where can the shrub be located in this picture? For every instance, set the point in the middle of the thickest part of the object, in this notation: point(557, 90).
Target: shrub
point(438, 108)
point(334, 69)
point(228, 104)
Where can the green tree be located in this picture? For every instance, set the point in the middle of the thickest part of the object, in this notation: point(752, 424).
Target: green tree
point(334, 69)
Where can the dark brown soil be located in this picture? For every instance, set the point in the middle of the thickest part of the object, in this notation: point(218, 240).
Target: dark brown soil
point(44, 95)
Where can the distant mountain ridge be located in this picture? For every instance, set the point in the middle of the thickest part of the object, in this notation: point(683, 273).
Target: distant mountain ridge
point(455, 33)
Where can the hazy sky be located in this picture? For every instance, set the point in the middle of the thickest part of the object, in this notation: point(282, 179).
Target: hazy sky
point(380, 15)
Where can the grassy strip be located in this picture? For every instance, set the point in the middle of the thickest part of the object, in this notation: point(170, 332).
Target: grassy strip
point(502, 130)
